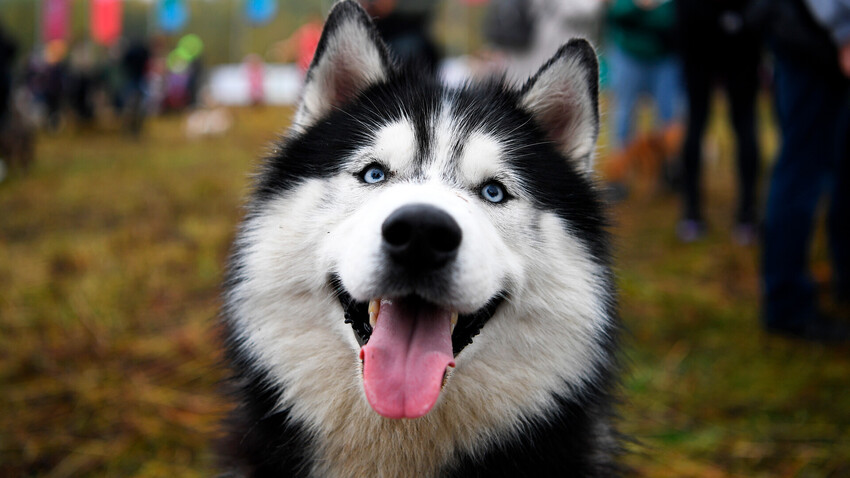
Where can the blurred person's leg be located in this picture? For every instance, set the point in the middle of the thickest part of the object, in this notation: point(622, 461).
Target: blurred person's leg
point(627, 82)
point(808, 109)
point(698, 81)
point(5, 94)
point(669, 95)
point(667, 90)
point(699, 29)
point(742, 86)
point(839, 218)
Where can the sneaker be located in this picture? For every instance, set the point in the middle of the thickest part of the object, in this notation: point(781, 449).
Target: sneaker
point(690, 230)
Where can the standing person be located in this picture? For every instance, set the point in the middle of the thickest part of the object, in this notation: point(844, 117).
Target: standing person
point(255, 72)
point(55, 81)
point(134, 63)
point(194, 81)
point(717, 44)
point(405, 27)
point(811, 41)
point(530, 31)
point(8, 48)
point(642, 61)
point(83, 79)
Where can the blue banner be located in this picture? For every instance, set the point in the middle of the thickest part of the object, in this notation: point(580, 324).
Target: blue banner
point(260, 11)
point(173, 15)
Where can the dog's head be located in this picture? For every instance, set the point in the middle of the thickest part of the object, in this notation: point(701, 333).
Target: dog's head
point(415, 214)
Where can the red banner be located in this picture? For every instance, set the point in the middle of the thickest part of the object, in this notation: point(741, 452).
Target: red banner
point(105, 21)
point(56, 19)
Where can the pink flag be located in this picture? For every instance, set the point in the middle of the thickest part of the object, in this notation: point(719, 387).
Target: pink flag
point(105, 21)
point(56, 18)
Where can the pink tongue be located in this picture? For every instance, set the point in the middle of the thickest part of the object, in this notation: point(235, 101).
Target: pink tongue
point(406, 358)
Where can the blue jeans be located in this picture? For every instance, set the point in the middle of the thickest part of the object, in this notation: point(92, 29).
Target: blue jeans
point(814, 116)
point(631, 77)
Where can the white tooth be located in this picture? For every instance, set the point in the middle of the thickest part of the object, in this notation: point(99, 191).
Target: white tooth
point(374, 308)
point(454, 321)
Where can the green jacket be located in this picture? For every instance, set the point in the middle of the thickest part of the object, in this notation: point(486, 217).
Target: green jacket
point(645, 34)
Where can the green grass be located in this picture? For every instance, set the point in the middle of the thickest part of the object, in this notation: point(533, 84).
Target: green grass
point(111, 255)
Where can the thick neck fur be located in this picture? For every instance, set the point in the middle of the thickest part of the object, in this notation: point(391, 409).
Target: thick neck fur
point(479, 415)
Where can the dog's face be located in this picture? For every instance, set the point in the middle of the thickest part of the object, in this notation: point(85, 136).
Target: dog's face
point(402, 217)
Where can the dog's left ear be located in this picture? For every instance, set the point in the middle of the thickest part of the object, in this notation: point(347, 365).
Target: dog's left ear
point(563, 98)
point(350, 57)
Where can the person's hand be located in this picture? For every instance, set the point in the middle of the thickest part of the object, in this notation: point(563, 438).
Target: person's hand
point(646, 4)
point(844, 59)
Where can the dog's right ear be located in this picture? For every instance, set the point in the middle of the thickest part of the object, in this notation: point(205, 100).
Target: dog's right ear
point(563, 98)
point(350, 57)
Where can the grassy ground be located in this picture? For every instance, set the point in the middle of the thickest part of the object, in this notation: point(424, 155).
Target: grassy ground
point(111, 253)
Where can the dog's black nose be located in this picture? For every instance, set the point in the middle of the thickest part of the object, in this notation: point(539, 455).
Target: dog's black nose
point(421, 237)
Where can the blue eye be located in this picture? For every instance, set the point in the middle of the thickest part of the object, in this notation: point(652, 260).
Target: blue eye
point(374, 174)
point(493, 192)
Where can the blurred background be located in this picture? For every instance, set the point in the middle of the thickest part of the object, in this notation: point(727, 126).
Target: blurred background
point(129, 129)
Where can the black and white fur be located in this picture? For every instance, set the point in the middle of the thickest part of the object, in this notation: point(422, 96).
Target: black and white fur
point(531, 395)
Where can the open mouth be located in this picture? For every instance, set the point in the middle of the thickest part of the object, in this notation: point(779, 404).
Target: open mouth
point(408, 344)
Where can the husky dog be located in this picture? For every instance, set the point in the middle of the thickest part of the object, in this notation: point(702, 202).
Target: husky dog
point(421, 285)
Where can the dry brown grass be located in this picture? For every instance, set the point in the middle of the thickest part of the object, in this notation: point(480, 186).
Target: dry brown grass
point(111, 253)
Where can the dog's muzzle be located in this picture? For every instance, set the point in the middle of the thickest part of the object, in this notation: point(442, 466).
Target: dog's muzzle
point(410, 331)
